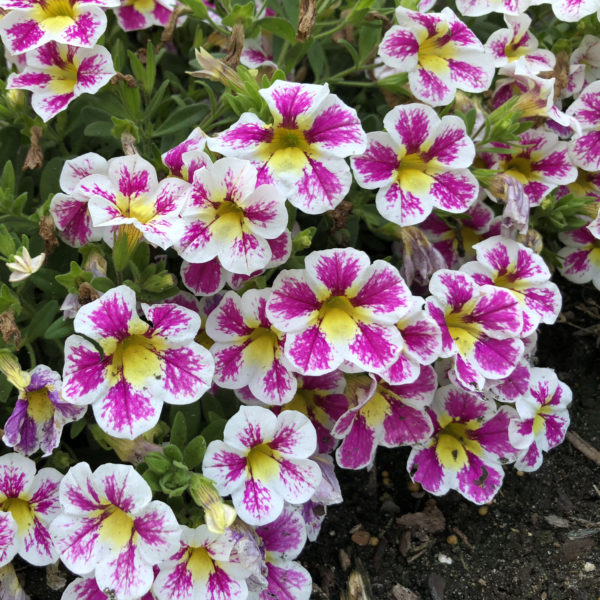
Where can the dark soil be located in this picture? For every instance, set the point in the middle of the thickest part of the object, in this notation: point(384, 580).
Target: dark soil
point(513, 552)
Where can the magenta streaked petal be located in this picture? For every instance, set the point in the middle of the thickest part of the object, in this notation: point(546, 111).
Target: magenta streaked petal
point(493, 434)
point(73, 220)
point(76, 539)
point(158, 532)
point(401, 206)
point(242, 138)
point(585, 151)
point(359, 445)
point(429, 88)
point(83, 589)
point(531, 459)
point(21, 33)
point(203, 279)
point(425, 468)
point(88, 25)
point(289, 579)
point(277, 386)
point(8, 538)
point(451, 146)
point(405, 426)
point(226, 466)
point(378, 165)
point(474, 73)
point(375, 347)
point(400, 49)
point(454, 191)
point(410, 125)
point(496, 359)
point(479, 481)
point(285, 537)
point(255, 503)
point(298, 478)
point(294, 435)
point(291, 103)
point(310, 352)
point(293, 303)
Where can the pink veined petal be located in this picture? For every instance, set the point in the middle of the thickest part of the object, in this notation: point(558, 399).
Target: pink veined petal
point(277, 385)
point(295, 435)
point(122, 486)
point(335, 272)
point(449, 144)
point(158, 532)
point(83, 589)
point(287, 580)
point(8, 538)
point(400, 49)
point(226, 322)
point(378, 165)
point(454, 191)
point(265, 212)
point(401, 206)
point(79, 493)
point(359, 445)
point(405, 426)
point(375, 347)
point(204, 279)
point(48, 105)
point(87, 27)
point(245, 253)
point(94, 71)
point(73, 220)
point(425, 468)
point(311, 353)
point(298, 479)
point(585, 151)
point(225, 465)
point(20, 33)
point(430, 88)
point(479, 481)
point(243, 138)
point(410, 125)
point(177, 324)
point(256, 503)
point(285, 537)
point(16, 475)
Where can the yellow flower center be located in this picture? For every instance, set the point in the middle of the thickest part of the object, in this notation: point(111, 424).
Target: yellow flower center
point(376, 409)
point(338, 319)
point(143, 6)
point(136, 207)
point(454, 442)
point(262, 462)
point(464, 332)
point(261, 347)
point(520, 169)
point(54, 15)
point(116, 529)
point(39, 407)
point(435, 51)
point(136, 359)
point(413, 174)
point(200, 564)
point(287, 151)
point(64, 79)
point(21, 512)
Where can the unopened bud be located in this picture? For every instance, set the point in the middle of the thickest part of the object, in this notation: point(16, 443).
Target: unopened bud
point(217, 515)
point(9, 365)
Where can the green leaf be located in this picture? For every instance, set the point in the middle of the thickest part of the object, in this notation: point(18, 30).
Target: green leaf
point(43, 317)
point(279, 27)
point(369, 37)
point(184, 117)
point(99, 129)
point(179, 431)
point(121, 252)
point(317, 59)
point(193, 453)
point(152, 479)
point(76, 428)
point(240, 13)
point(74, 278)
point(198, 8)
point(157, 462)
point(122, 126)
point(9, 300)
point(157, 98)
point(51, 176)
point(102, 284)
point(8, 179)
point(173, 452)
point(7, 242)
point(214, 431)
point(59, 330)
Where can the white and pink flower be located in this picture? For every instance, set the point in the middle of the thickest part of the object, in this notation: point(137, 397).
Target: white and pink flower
point(28, 505)
point(134, 15)
point(421, 163)
point(302, 152)
point(469, 446)
point(580, 256)
point(439, 53)
point(109, 525)
point(229, 216)
point(340, 308)
point(57, 74)
point(141, 365)
point(481, 327)
point(263, 461)
point(32, 23)
point(585, 149)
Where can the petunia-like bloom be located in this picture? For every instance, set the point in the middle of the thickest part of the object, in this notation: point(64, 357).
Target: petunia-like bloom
point(585, 65)
point(283, 541)
point(516, 50)
point(572, 10)
point(421, 163)
point(339, 308)
point(302, 152)
point(542, 164)
point(40, 414)
point(228, 216)
point(32, 23)
point(422, 345)
point(476, 8)
point(70, 209)
point(263, 461)
point(183, 160)
point(23, 265)
point(258, 52)
point(201, 568)
point(480, 327)
point(469, 445)
point(57, 74)
point(133, 15)
point(28, 505)
point(456, 243)
point(585, 149)
point(505, 263)
point(130, 195)
point(439, 53)
point(544, 418)
point(141, 365)
point(86, 588)
point(580, 256)
point(383, 415)
point(110, 525)
point(248, 349)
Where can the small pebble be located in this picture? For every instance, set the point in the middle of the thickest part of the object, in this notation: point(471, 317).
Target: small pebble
point(520, 474)
point(483, 510)
point(386, 481)
point(344, 560)
point(588, 567)
point(385, 473)
point(373, 541)
point(452, 539)
point(413, 486)
point(361, 538)
point(444, 559)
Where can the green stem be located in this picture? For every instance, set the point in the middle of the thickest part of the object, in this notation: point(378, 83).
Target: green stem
point(31, 353)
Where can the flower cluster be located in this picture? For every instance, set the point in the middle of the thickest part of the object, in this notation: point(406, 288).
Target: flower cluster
point(299, 344)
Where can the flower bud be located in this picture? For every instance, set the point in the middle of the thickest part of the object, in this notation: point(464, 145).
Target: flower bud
point(217, 515)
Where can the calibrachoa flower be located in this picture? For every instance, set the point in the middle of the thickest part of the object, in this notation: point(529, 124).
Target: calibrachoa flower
point(439, 53)
point(86, 588)
point(480, 327)
point(302, 152)
point(39, 414)
point(580, 257)
point(110, 525)
point(227, 215)
point(541, 165)
point(133, 15)
point(340, 308)
point(29, 503)
point(248, 349)
point(422, 345)
point(262, 461)
point(421, 163)
point(131, 195)
point(585, 65)
point(57, 74)
point(23, 265)
point(201, 568)
point(544, 418)
point(572, 10)
point(516, 50)
point(258, 52)
point(70, 210)
point(469, 446)
point(585, 149)
point(31, 23)
point(283, 541)
point(141, 365)
point(383, 415)
point(505, 263)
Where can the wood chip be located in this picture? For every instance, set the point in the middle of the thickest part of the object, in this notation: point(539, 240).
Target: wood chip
point(556, 521)
point(584, 447)
point(361, 537)
point(431, 520)
point(344, 560)
point(399, 592)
